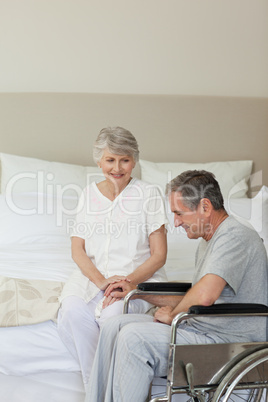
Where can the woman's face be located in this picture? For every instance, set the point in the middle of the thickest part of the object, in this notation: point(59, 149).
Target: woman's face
point(117, 168)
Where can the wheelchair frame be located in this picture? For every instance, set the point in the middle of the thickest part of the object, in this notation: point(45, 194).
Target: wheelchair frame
point(238, 367)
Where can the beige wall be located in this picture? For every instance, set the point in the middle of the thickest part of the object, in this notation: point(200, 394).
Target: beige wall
point(186, 47)
point(63, 127)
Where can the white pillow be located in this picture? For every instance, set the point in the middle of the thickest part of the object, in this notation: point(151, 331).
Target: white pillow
point(252, 211)
point(23, 175)
point(232, 176)
point(36, 218)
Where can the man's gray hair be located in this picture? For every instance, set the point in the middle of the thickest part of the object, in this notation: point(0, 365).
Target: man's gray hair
point(195, 185)
point(118, 141)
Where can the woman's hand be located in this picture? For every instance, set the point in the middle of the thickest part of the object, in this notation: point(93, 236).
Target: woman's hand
point(108, 285)
point(109, 300)
point(104, 284)
point(164, 315)
point(117, 291)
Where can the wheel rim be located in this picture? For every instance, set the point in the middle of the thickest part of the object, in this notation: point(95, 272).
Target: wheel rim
point(254, 365)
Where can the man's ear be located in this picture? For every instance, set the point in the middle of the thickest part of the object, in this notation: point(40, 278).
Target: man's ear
point(206, 206)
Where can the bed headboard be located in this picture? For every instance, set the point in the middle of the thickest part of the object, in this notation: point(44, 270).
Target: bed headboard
point(63, 126)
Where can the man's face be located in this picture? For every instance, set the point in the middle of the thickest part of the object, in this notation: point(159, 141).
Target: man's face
point(195, 223)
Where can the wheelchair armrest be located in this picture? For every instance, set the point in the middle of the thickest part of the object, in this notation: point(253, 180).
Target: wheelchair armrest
point(224, 309)
point(164, 286)
point(229, 308)
point(156, 288)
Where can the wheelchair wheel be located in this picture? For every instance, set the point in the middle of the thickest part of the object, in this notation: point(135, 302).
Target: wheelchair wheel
point(247, 381)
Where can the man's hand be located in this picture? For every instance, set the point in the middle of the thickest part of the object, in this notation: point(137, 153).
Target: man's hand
point(109, 300)
point(112, 279)
point(119, 289)
point(164, 315)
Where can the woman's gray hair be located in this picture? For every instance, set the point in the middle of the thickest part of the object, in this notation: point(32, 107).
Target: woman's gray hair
point(118, 141)
point(195, 185)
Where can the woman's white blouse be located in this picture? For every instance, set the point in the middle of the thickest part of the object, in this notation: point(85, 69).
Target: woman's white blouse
point(116, 233)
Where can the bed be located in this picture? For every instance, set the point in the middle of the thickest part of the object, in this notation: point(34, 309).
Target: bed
point(45, 157)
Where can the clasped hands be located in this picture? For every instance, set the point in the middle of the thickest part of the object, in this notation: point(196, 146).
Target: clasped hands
point(120, 286)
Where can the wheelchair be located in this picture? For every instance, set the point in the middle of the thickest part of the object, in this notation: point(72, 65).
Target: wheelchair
point(211, 372)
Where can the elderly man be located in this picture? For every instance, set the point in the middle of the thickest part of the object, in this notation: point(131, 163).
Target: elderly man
point(231, 266)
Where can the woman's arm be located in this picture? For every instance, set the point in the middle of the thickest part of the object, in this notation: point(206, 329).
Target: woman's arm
point(87, 267)
point(158, 249)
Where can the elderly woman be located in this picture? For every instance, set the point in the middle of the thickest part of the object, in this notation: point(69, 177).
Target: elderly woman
point(119, 235)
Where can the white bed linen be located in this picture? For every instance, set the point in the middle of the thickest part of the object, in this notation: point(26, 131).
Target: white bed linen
point(35, 348)
point(32, 349)
point(42, 387)
point(58, 387)
point(37, 261)
point(36, 366)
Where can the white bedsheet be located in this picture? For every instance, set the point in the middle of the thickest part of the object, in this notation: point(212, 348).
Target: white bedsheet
point(36, 366)
point(42, 387)
point(34, 349)
point(37, 261)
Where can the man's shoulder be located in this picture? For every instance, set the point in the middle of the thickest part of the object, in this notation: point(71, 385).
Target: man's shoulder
point(238, 231)
point(232, 224)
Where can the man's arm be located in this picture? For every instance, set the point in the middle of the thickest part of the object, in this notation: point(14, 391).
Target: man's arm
point(120, 289)
point(205, 292)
